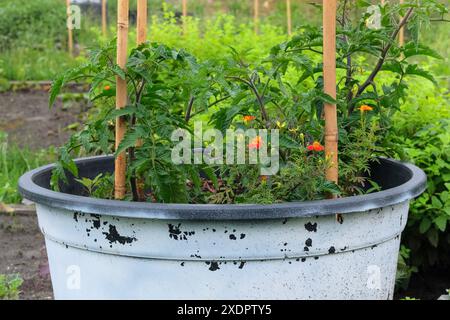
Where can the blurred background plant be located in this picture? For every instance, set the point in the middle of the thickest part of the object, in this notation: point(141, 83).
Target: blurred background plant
point(14, 161)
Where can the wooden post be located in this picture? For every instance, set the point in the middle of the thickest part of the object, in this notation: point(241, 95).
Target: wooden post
point(69, 29)
point(289, 17)
point(329, 77)
point(141, 21)
point(104, 17)
point(121, 97)
point(184, 12)
point(256, 15)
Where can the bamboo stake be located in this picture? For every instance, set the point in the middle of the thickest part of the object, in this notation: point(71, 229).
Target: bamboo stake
point(121, 97)
point(329, 77)
point(256, 15)
point(141, 21)
point(184, 5)
point(141, 38)
point(69, 29)
point(289, 17)
point(104, 21)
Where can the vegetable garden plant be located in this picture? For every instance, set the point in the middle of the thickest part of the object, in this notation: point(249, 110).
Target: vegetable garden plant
point(168, 89)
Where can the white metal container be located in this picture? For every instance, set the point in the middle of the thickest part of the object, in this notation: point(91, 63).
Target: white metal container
point(105, 249)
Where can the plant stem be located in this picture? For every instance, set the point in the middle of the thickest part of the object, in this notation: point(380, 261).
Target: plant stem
point(189, 109)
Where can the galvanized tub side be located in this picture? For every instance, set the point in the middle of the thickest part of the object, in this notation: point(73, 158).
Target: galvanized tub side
point(216, 252)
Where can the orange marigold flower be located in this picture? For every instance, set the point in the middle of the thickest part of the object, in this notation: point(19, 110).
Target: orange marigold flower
point(316, 146)
point(107, 88)
point(255, 143)
point(264, 178)
point(365, 108)
point(247, 119)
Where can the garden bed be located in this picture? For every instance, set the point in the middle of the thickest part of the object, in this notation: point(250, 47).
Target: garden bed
point(28, 121)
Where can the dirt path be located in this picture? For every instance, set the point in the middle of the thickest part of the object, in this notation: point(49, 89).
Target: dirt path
point(29, 122)
point(22, 251)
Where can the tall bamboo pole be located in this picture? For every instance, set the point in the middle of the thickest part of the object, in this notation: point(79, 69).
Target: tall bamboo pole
point(69, 28)
point(184, 12)
point(289, 17)
point(141, 38)
point(121, 97)
point(104, 21)
point(141, 21)
point(256, 15)
point(329, 77)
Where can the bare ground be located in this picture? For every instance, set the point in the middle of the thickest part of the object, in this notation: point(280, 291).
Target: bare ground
point(29, 122)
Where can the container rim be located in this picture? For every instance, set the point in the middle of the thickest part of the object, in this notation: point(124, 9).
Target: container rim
point(414, 186)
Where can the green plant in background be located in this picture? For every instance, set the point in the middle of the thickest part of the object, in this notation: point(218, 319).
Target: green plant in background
point(404, 270)
point(10, 286)
point(421, 134)
point(15, 161)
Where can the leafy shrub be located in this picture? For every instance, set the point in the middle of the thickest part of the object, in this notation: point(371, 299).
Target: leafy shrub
point(422, 133)
point(31, 23)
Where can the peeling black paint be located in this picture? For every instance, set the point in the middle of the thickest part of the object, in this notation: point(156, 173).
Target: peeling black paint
point(331, 250)
point(311, 227)
point(213, 266)
point(182, 264)
point(95, 221)
point(242, 236)
point(308, 242)
point(113, 236)
point(232, 237)
point(305, 249)
point(303, 259)
point(75, 216)
point(242, 265)
point(176, 233)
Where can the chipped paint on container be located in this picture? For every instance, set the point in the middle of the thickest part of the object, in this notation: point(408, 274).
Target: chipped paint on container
point(96, 255)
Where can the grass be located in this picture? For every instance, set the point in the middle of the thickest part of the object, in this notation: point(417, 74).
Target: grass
point(15, 161)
